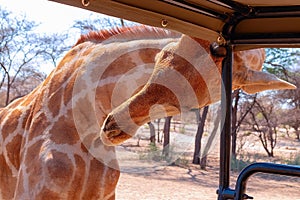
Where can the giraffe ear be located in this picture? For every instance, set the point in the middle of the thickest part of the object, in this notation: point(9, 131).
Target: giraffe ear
point(258, 81)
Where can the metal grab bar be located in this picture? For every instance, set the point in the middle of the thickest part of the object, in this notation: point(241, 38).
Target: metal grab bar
point(270, 168)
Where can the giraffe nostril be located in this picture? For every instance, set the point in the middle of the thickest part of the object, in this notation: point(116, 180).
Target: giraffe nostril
point(113, 133)
point(110, 124)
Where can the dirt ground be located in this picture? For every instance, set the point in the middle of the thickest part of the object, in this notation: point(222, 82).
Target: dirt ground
point(148, 181)
point(156, 180)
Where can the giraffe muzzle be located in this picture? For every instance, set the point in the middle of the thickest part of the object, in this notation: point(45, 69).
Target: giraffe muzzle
point(111, 134)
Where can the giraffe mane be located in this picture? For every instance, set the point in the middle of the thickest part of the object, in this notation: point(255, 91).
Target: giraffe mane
point(128, 33)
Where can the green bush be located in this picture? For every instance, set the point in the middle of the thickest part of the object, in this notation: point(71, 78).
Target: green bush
point(294, 160)
point(152, 154)
point(239, 164)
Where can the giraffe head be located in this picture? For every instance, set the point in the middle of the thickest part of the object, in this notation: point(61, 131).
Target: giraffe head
point(247, 74)
point(185, 76)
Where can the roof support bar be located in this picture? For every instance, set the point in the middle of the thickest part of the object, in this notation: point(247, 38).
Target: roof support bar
point(267, 39)
point(225, 140)
point(273, 11)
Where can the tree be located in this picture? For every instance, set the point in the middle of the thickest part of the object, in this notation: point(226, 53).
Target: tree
point(281, 61)
point(21, 52)
point(152, 132)
point(157, 121)
point(270, 109)
point(285, 64)
point(212, 136)
point(291, 118)
point(264, 121)
point(239, 112)
point(166, 132)
point(291, 100)
point(200, 130)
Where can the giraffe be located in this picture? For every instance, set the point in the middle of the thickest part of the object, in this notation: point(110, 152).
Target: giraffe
point(198, 84)
point(50, 144)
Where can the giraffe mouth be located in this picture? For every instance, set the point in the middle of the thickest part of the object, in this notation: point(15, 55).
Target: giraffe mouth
point(111, 134)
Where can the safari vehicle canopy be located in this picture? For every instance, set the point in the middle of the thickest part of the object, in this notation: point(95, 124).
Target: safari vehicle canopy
point(246, 23)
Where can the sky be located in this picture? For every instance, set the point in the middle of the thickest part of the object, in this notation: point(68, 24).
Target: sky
point(54, 17)
point(51, 16)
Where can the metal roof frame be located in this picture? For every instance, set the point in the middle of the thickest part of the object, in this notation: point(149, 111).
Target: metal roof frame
point(245, 23)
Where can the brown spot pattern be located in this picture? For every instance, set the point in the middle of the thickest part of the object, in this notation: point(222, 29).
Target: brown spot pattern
point(7, 182)
point(38, 126)
point(55, 100)
point(13, 150)
point(78, 180)
point(60, 169)
point(93, 182)
point(64, 131)
point(45, 193)
point(12, 123)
